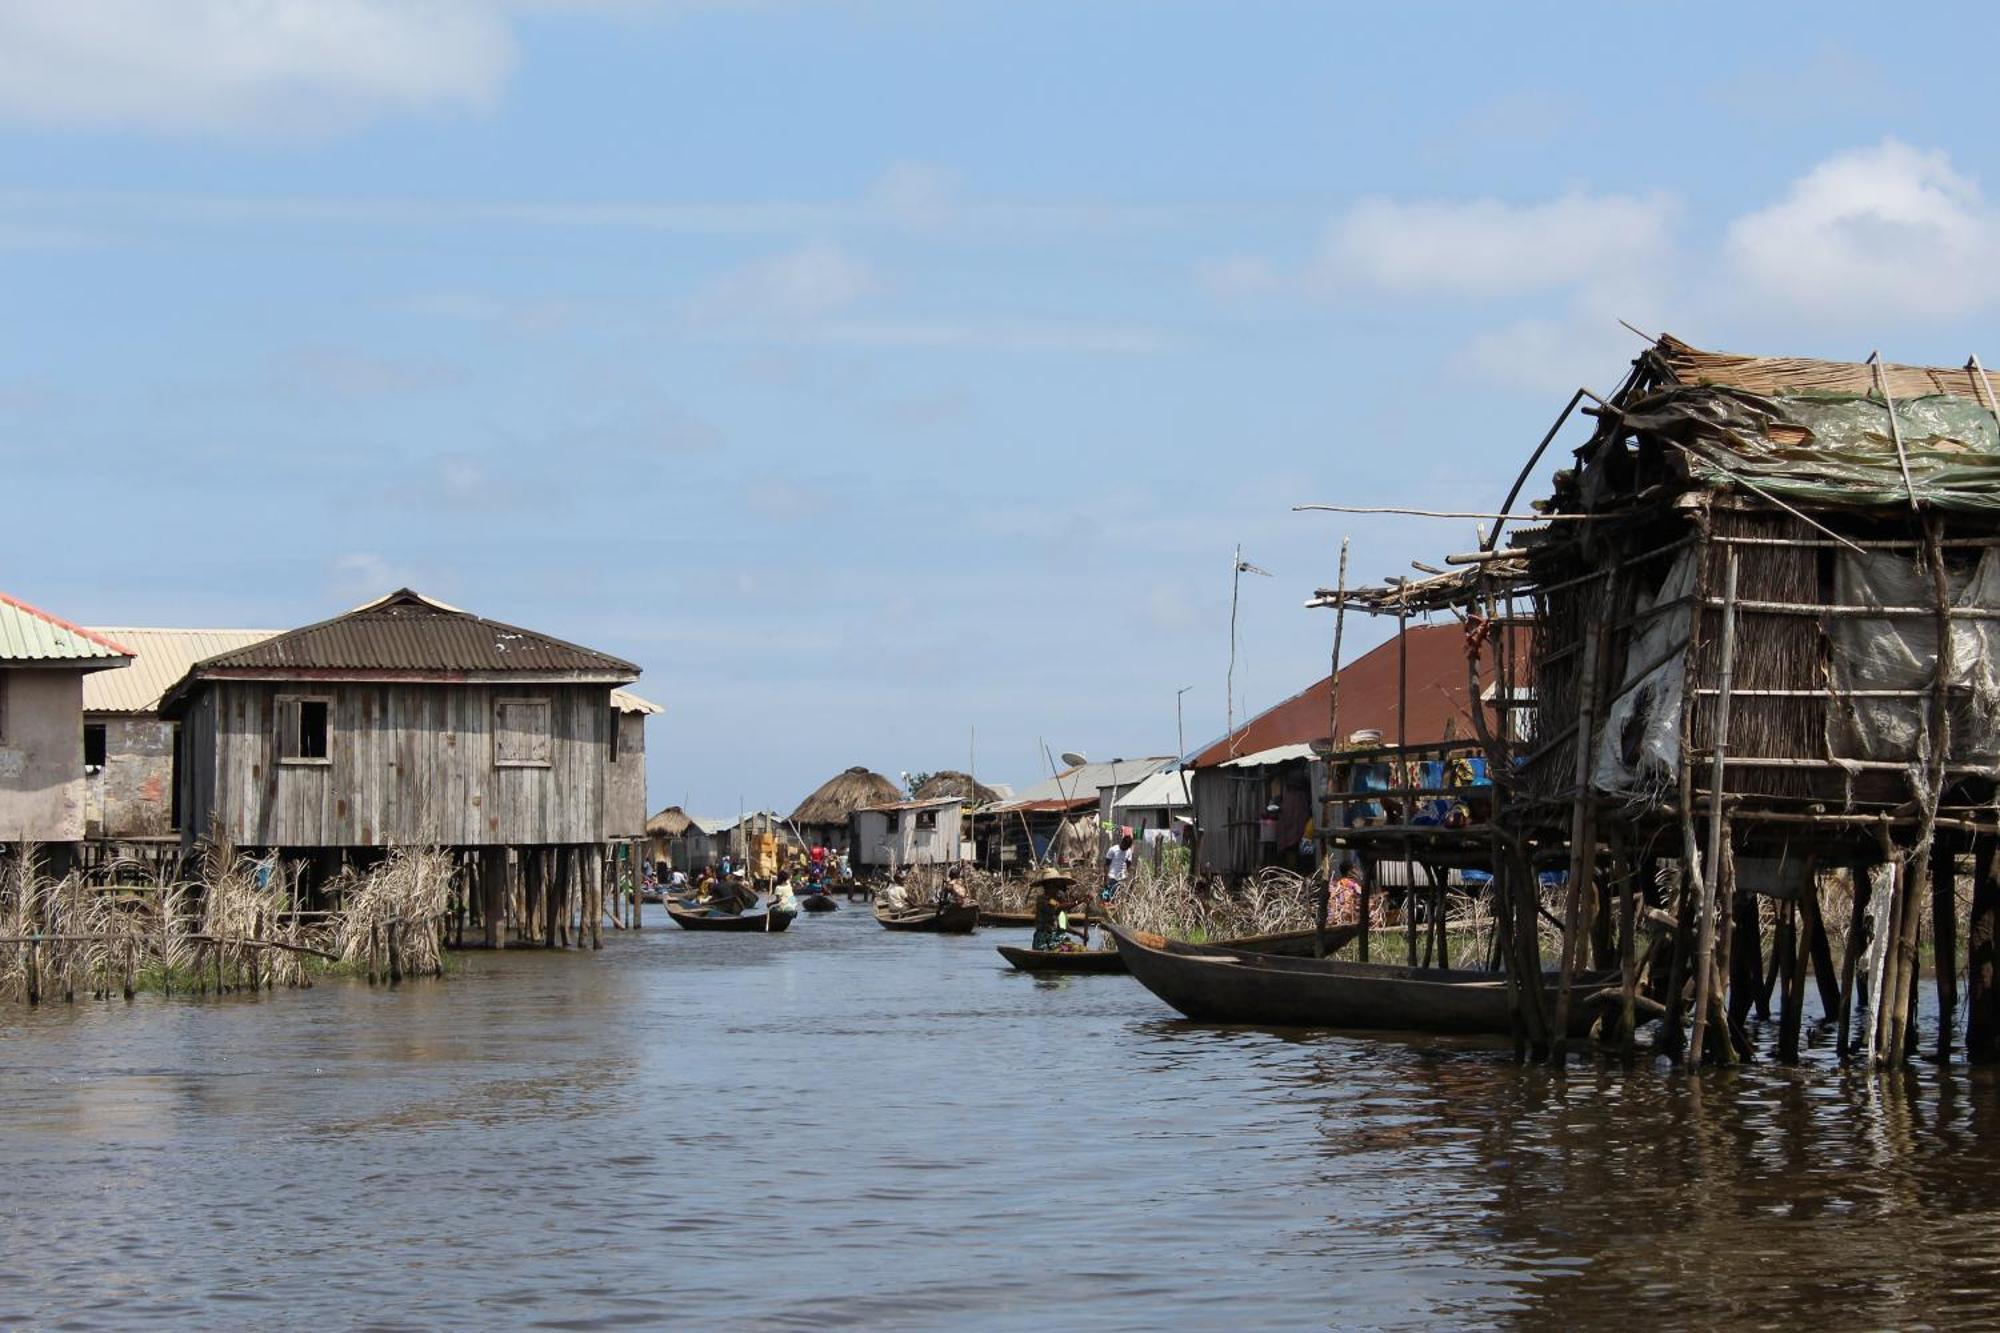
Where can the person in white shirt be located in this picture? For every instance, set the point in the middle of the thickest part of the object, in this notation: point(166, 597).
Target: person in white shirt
point(1117, 867)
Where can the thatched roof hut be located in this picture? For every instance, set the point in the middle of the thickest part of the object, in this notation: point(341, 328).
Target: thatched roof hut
point(841, 795)
point(671, 822)
point(951, 782)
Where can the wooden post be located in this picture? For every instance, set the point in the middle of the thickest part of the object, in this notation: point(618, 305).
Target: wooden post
point(1705, 931)
point(1944, 931)
point(1746, 960)
point(395, 953)
point(1982, 958)
point(596, 894)
point(1850, 954)
point(1583, 812)
point(493, 895)
point(1329, 860)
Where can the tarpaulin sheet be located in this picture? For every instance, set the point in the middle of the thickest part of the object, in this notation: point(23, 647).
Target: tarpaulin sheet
point(1641, 742)
point(1835, 448)
point(1901, 654)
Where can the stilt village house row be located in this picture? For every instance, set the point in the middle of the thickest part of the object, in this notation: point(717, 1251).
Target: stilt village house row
point(405, 722)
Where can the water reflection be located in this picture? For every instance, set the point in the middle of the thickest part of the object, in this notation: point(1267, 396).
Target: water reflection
point(842, 1126)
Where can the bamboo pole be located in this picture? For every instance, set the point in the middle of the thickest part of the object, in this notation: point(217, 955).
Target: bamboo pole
point(1705, 929)
point(1944, 930)
point(1323, 893)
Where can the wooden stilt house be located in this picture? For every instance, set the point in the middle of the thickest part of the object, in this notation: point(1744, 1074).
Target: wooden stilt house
point(409, 722)
point(1766, 665)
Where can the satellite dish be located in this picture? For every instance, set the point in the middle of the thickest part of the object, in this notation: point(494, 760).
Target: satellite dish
point(1073, 759)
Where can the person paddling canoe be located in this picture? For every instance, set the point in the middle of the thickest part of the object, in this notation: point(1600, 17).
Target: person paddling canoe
point(1054, 896)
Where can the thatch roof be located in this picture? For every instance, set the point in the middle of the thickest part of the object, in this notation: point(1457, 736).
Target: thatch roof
point(671, 822)
point(844, 793)
point(951, 782)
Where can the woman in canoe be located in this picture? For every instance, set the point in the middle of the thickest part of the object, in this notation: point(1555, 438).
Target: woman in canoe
point(1054, 897)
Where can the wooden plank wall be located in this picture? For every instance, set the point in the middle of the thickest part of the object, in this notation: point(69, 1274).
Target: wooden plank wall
point(410, 765)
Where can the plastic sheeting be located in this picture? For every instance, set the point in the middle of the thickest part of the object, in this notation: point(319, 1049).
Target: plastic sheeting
point(1901, 654)
point(1837, 449)
point(1641, 742)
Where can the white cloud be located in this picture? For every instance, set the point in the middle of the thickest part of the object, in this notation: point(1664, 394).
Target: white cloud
point(1484, 247)
point(798, 287)
point(258, 67)
point(1884, 232)
point(916, 194)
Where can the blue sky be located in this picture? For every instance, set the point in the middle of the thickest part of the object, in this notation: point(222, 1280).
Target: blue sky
point(872, 373)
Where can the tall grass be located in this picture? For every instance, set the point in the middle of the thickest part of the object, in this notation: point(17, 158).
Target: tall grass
point(234, 928)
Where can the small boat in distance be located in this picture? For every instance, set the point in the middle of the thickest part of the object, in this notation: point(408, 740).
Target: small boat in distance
point(1217, 984)
point(953, 920)
point(694, 918)
point(1083, 962)
point(819, 902)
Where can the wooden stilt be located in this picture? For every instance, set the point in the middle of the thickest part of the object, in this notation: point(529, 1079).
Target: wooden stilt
point(1982, 957)
point(1746, 960)
point(1944, 932)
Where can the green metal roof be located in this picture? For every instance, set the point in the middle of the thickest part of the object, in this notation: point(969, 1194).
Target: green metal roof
point(29, 634)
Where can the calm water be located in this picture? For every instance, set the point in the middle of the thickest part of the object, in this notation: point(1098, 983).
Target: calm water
point(842, 1126)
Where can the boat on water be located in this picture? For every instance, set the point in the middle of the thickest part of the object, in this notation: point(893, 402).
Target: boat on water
point(819, 902)
point(690, 917)
point(935, 920)
point(1218, 984)
point(1082, 962)
point(1291, 943)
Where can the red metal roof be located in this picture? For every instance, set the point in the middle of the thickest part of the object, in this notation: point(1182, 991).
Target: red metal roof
point(1368, 698)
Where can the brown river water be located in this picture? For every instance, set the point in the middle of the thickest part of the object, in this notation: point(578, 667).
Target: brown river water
point(839, 1126)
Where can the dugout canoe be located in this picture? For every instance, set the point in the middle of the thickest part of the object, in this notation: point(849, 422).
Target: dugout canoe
point(1217, 984)
point(1290, 943)
point(932, 920)
point(819, 902)
point(767, 921)
point(1087, 962)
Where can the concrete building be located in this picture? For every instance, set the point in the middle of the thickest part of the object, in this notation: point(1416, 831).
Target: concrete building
point(43, 663)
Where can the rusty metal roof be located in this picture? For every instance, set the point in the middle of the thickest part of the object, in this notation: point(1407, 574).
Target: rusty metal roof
point(160, 658)
point(30, 634)
point(407, 632)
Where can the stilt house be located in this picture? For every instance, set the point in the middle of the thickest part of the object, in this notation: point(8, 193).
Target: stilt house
point(405, 722)
point(43, 663)
point(1765, 660)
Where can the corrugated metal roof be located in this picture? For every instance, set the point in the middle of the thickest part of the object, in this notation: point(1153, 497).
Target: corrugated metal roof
point(1277, 754)
point(627, 702)
point(30, 634)
point(1088, 779)
point(1161, 791)
point(407, 631)
point(160, 658)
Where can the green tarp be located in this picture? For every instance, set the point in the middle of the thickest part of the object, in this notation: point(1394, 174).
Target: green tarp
point(1835, 448)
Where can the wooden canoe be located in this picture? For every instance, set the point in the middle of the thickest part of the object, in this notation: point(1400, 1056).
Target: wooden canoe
point(1291, 943)
point(1216, 984)
point(934, 920)
point(695, 919)
point(819, 902)
point(1075, 961)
